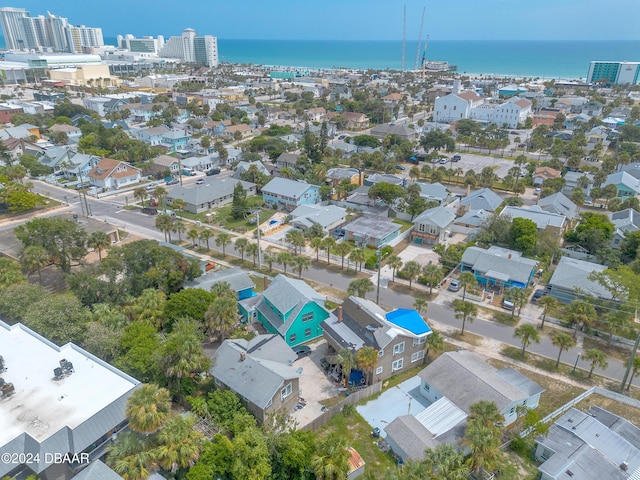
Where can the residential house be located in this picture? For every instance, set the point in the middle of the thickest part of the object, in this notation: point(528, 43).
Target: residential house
point(355, 120)
point(238, 279)
point(109, 174)
point(384, 178)
point(545, 221)
point(626, 184)
point(73, 133)
point(449, 386)
point(104, 105)
point(392, 99)
point(456, 106)
point(21, 131)
point(143, 112)
point(483, 199)
point(470, 222)
point(315, 114)
point(14, 147)
point(576, 120)
point(175, 139)
point(152, 135)
point(288, 160)
point(340, 92)
point(398, 336)
point(592, 108)
point(571, 181)
point(80, 164)
point(559, 204)
point(401, 130)
point(160, 164)
point(200, 164)
point(292, 309)
point(541, 174)
point(42, 384)
point(432, 226)
point(625, 222)
point(371, 230)
point(338, 174)
point(570, 280)
point(214, 193)
point(434, 192)
point(7, 111)
point(56, 158)
point(591, 445)
point(243, 167)
point(598, 134)
point(326, 216)
point(498, 267)
point(632, 169)
point(285, 194)
point(242, 129)
point(260, 371)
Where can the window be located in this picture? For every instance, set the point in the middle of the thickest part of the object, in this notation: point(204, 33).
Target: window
point(381, 353)
point(217, 382)
point(419, 341)
point(307, 332)
point(397, 365)
point(398, 348)
point(292, 338)
point(378, 370)
point(286, 391)
point(307, 317)
point(427, 387)
point(417, 356)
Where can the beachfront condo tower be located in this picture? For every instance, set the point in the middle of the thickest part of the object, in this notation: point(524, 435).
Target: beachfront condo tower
point(614, 73)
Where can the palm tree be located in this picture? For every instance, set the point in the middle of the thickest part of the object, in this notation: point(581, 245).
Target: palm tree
point(205, 234)
point(34, 258)
point(367, 359)
point(527, 333)
point(164, 223)
point(148, 408)
point(316, 244)
point(563, 342)
point(519, 297)
point(269, 258)
point(296, 239)
point(446, 461)
point(222, 240)
point(347, 359)
point(547, 302)
point(420, 304)
point(598, 359)
point(580, 313)
point(357, 255)
point(223, 289)
point(395, 262)
point(301, 263)
point(435, 341)
point(193, 234)
point(241, 244)
point(221, 317)
point(140, 193)
point(328, 244)
point(466, 280)
point(331, 460)
point(635, 369)
point(285, 258)
point(411, 270)
point(99, 241)
point(360, 287)
point(179, 205)
point(161, 194)
point(343, 250)
point(180, 444)
point(179, 227)
point(433, 275)
point(465, 311)
point(484, 443)
point(252, 250)
point(129, 456)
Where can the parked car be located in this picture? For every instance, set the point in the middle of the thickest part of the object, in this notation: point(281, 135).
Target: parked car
point(200, 181)
point(538, 294)
point(444, 160)
point(174, 181)
point(537, 191)
point(454, 286)
point(456, 158)
point(435, 160)
point(508, 304)
point(400, 167)
point(213, 171)
point(82, 185)
point(150, 210)
point(302, 351)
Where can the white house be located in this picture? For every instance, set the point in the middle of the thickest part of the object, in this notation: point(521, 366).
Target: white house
point(111, 174)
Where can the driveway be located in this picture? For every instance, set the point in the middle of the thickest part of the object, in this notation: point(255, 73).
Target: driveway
point(400, 400)
point(314, 384)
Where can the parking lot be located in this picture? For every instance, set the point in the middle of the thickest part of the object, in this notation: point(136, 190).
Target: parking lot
point(472, 161)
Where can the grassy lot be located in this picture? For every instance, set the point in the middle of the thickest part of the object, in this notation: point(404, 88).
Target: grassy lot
point(612, 350)
point(222, 216)
point(405, 224)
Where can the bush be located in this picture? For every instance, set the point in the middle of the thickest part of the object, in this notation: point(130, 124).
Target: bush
point(371, 263)
point(386, 251)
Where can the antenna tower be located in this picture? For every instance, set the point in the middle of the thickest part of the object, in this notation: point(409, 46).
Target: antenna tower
point(415, 65)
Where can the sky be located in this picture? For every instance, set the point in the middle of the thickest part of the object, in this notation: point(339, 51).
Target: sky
point(355, 19)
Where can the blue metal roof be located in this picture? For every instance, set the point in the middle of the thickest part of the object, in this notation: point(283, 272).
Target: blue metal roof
point(410, 320)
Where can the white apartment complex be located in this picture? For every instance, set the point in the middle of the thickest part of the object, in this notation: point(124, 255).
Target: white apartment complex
point(192, 48)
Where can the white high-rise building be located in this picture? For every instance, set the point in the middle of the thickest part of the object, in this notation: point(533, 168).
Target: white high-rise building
point(12, 27)
point(21, 31)
point(148, 45)
point(192, 48)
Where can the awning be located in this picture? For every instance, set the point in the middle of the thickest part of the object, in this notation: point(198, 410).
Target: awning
point(503, 277)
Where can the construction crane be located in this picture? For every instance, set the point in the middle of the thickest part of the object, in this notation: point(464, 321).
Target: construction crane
point(424, 57)
point(415, 64)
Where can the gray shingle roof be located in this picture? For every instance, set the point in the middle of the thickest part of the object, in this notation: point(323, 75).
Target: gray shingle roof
point(236, 277)
point(244, 166)
point(267, 365)
point(474, 218)
point(507, 262)
point(286, 187)
point(433, 191)
point(411, 436)
point(625, 220)
point(558, 203)
point(318, 214)
point(624, 178)
point(439, 216)
point(341, 173)
point(385, 178)
point(464, 378)
point(97, 470)
point(572, 273)
point(483, 199)
point(372, 226)
point(212, 191)
point(541, 218)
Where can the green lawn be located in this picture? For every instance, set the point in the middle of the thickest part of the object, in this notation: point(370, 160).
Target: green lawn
point(405, 224)
point(222, 216)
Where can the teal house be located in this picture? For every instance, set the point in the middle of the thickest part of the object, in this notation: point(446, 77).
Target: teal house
point(292, 309)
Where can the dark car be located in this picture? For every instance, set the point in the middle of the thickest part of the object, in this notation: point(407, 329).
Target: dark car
point(400, 167)
point(150, 210)
point(537, 295)
point(175, 181)
point(302, 351)
point(213, 171)
point(456, 158)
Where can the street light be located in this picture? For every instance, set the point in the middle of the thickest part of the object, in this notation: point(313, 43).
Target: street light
point(575, 364)
point(379, 267)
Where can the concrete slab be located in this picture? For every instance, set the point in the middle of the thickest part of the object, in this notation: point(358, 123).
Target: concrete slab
point(400, 400)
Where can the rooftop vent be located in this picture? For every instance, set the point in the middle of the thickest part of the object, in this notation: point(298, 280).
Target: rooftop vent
point(6, 390)
point(569, 472)
point(371, 328)
point(243, 356)
point(624, 466)
point(2, 367)
point(64, 370)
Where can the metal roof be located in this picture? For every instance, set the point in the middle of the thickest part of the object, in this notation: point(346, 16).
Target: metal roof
point(97, 470)
point(441, 416)
point(372, 226)
point(235, 276)
point(439, 216)
point(572, 274)
point(323, 215)
point(287, 188)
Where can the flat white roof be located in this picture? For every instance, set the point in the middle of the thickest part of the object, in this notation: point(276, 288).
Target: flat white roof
point(42, 406)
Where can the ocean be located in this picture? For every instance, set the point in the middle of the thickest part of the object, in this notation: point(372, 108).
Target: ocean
point(543, 59)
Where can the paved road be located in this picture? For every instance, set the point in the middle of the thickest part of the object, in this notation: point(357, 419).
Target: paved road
point(111, 210)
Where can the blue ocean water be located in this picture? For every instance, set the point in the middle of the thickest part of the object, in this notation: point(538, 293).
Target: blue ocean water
point(545, 59)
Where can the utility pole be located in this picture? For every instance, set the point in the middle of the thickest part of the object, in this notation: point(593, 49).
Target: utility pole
point(379, 268)
point(258, 234)
point(630, 364)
